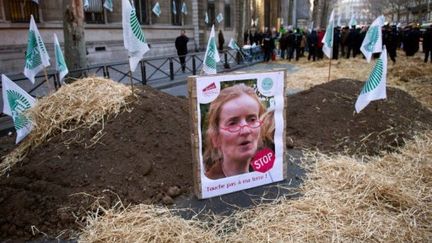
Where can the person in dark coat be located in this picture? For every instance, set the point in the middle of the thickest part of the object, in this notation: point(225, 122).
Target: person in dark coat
point(427, 44)
point(283, 45)
point(181, 46)
point(312, 45)
point(336, 42)
point(391, 40)
point(221, 40)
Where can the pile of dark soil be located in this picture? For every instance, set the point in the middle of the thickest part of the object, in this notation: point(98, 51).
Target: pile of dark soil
point(324, 117)
point(144, 156)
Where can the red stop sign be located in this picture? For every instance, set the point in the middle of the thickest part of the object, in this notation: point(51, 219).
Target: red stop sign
point(263, 160)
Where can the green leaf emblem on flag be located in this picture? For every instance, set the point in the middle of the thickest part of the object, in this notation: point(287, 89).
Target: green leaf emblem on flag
point(18, 104)
point(60, 61)
point(136, 27)
point(374, 78)
point(329, 37)
point(211, 62)
point(372, 37)
point(33, 58)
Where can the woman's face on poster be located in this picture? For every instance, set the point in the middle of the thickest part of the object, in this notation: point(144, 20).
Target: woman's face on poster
point(239, 128)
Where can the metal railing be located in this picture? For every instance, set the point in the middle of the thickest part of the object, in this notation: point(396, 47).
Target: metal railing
point(150, 71)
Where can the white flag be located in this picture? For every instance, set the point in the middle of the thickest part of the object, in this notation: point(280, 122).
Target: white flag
point(211, 57)
point(256, 22)
point(233, 45)
point(372, 43)
point(352, 22)
point(15, 102)
point(184, 9)
point(108, 4)
point(86, 4)
point(375, 86)
point(328, 37)
point(219, 18)
point(252, 22)
point(206, 20)
point(60, 61)
point(174, 8)
point(156, 9)
point(133, 36)
point(339, 20)
point(36, 55)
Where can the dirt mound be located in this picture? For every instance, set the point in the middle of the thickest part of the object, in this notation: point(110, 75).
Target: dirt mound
point(323, 117)
point(144, 156)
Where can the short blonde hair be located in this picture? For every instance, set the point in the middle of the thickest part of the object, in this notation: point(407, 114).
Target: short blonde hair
point(211, 152)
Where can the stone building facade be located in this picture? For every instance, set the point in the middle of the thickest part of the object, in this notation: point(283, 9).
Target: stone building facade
point(103, 29)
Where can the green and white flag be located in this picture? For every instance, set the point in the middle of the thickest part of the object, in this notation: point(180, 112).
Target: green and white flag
point(328, 37)
point(211, 57)
point(60, 61)
point(108, 4)
point(375, 86)
point(372, 43)
point(174, 8)
point(352, 21)
point(157, 9)
point(86, 4)
point(133, 36)
point(206, 20)
point(233, 45)
point(219, 18)
point(184, 8)
point(36, 55)
point(15, 102)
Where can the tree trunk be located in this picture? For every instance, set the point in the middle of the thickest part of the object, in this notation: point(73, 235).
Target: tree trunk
point(74, 38)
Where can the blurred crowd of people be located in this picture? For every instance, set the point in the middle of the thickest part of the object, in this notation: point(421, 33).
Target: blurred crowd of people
point(292, 43)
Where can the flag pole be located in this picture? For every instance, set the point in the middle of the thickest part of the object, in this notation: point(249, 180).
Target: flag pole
point(329, 70)
point(46, 80)
point(131, 82)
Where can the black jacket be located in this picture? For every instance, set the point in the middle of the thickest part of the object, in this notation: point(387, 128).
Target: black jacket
point(181, 44)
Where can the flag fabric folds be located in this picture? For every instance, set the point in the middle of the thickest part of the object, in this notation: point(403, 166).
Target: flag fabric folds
point(206, 20)
point(211, 57)
point(86, 4)
point(339, 21)
point(219, 18)
point(328, 37)
point(156, 9)
point(36, 55)
point(372, 43)
point(108, 4)
point(133, 36)
point(233, 45)
point(375, 86)
point(60, 61)
point(36, 1)
point(15, 102)
point(184, 8)
point(174, 8)
point(352, 21)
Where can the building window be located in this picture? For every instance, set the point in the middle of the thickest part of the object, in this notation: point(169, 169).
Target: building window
point(211, 12)
point(142, 9)
point(94, 13)
point(227, 13)
point(19, 11)
point(176, 18)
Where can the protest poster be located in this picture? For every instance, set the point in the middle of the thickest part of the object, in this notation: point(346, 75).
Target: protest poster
point(238, 131)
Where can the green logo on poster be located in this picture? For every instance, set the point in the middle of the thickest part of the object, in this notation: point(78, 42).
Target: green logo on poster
point(267, 84)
